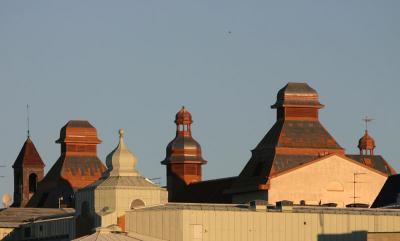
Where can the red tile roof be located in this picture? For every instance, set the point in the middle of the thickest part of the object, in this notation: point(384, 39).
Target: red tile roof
point(28, 156)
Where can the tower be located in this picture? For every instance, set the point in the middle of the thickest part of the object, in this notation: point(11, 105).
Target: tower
point(77, 166)
point(366, 144)
point(28, 171)
point(183, 156)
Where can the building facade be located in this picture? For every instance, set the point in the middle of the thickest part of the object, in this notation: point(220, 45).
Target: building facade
point(220, 222)
point(122, 188)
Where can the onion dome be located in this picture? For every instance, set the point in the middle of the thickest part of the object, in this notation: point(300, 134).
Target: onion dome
point(183, 148)
point(121, 161)
point(366, 144)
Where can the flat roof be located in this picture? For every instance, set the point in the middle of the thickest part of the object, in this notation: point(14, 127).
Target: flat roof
point(295, 209)
point(13, 217)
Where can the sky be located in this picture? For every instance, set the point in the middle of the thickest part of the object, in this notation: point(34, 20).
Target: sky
point(132, 64)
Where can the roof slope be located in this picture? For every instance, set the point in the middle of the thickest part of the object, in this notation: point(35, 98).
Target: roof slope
point(375, 161)
point(389, 194)
point(28, 156)
point(210, 191)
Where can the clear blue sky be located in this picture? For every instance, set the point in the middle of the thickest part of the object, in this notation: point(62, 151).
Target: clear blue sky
point(132, 64)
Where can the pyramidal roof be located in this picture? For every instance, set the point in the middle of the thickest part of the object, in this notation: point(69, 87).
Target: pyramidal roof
point(28, 156)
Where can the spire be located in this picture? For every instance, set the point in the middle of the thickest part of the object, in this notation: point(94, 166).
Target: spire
point(121, 161)
point(366, 144)
point(27, 121)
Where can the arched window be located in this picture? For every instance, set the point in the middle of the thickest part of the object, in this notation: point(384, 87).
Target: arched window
point(137, 203)
point(32, 183)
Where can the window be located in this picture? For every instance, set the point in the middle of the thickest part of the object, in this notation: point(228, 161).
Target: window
point(137, 203)
point(32, 183)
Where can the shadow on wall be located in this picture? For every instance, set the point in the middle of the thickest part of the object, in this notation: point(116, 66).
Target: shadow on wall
point(354, 236)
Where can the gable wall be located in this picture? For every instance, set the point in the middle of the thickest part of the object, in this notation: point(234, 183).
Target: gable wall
point(329, 180)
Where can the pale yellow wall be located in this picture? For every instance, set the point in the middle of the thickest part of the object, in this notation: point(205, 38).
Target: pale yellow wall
point(219, 225)
point(329, 181)
point(118, 200)
point(164, 225)
point(5, 231)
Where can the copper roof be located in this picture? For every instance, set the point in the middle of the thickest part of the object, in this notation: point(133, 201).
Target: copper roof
point(28, 156)
point(73, 169)
point(183, 147)
point(366, 142)
point(78, 131)
point(183, 116)
point(289, 143)
point(297, 94)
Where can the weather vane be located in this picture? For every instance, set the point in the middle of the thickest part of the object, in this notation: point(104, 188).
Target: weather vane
point(366, 120)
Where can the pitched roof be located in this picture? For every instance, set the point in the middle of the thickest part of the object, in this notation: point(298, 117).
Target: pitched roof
point(389, 194)
point(375, 161)
point(209, 191)
point(28, 156)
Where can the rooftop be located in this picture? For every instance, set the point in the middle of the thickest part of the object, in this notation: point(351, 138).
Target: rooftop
point(13, 217)
point(271, 208)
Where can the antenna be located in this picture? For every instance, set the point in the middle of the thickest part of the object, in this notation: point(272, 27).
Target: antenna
point(366, 120)
point(355, 174)
point(27, 120)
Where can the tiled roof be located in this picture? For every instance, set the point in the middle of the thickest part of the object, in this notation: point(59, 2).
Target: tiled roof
point(375, 161)
point(28, 156)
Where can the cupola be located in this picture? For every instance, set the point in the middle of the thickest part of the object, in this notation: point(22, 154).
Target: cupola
point(121, 161)
point(366, 144)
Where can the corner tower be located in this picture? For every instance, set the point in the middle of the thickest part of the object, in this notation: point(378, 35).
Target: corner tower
point(28, 171)
point(183, 158)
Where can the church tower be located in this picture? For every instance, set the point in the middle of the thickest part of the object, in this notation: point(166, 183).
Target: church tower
point(28, 171)
point(183, 158)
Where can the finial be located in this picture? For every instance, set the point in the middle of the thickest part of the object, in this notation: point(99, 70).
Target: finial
point(366, 120)
point(27, 120)
point(121, 133)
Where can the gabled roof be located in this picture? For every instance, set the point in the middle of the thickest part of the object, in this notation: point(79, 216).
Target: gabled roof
point(28, 156)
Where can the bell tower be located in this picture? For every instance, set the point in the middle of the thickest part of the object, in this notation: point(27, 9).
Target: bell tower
point(183, 158)
point(28, 171)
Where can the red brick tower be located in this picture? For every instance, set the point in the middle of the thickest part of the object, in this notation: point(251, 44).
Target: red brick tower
point(77, 166)
point(28, 171)
point(183, 159)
